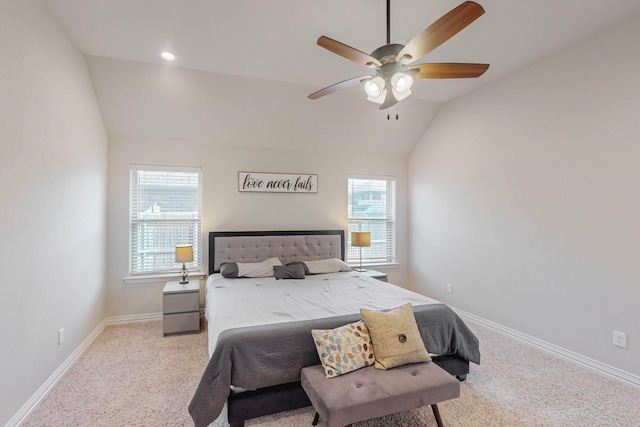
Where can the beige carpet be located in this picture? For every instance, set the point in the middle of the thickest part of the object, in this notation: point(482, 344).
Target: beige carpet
point(132, 376)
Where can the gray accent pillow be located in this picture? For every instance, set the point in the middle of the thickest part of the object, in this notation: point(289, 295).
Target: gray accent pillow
point(288, 271)
point(304, 266)
point(229, 270)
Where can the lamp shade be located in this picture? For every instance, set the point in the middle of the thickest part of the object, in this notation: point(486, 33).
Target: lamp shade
point(184, 253)
point(361, 238)
point(401, 82)
point(375, 90)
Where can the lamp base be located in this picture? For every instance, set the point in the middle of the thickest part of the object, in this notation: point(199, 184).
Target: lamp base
point(360, 270)
point(184, 273)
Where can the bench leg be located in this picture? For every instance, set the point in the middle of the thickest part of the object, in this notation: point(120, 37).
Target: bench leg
point(316, 418)
point(436, 414)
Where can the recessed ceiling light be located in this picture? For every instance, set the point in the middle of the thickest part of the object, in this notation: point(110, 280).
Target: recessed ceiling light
point(168, 56)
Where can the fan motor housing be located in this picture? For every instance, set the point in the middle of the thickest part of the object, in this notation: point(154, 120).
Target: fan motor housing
point(387, 53)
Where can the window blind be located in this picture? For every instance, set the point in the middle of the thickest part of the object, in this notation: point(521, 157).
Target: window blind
point(371, 207)
point(166, 210)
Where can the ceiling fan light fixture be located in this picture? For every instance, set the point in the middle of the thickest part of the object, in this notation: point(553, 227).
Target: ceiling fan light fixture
point(378, 99)
point(392, 76)
point(374, 87)
point(401, 82)
point(401, 95)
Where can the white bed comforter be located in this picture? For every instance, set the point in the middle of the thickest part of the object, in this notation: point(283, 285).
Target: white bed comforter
point(234, 303)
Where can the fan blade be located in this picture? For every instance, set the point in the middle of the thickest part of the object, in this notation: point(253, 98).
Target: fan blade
point(348, 52)
point(441, 31)
point(448, 70)
point(333, 88)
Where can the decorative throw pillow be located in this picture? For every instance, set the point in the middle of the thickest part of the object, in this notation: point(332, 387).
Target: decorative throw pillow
point(257, 269)
point(396, 337)
point(229, 270)
point(304, 266)
point(344, 349)
point(329, 265)
point(288, 271)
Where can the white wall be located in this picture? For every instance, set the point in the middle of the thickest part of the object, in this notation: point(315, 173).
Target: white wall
point(147, 101)
point(525, 195)
point(53, 198)
point(226, 209)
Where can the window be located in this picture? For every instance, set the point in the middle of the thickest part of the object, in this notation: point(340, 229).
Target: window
point(372, 208)
point(165, 211)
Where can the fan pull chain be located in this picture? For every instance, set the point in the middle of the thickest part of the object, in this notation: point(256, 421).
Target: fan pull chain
point(397, 115)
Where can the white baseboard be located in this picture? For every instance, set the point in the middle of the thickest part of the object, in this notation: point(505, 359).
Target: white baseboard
point(584, 361)
point(132, 318)
point(48, 385)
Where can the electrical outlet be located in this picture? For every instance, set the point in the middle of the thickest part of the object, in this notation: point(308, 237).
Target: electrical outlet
point(60, 336)
point(449, 288)
point(619, 339)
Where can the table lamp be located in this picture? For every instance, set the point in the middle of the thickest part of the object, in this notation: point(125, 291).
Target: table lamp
point(184, 254)
point(360, 239)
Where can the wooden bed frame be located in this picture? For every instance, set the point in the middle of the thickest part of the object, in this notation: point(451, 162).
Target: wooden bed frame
point(271, 400)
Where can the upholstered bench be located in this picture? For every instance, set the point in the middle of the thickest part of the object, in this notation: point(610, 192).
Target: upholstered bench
point(371, 393)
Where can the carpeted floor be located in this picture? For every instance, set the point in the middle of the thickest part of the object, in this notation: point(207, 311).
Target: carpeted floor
point(132, 376)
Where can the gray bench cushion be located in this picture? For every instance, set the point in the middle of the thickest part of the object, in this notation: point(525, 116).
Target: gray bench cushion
point(372, 393)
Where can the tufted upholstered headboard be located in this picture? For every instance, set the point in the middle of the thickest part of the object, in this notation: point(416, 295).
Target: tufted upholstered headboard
point(256, 246)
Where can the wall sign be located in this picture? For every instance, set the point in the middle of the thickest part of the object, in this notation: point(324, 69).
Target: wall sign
point(259, 182)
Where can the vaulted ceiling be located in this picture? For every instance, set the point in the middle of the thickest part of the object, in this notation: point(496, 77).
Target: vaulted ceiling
point(259, 59)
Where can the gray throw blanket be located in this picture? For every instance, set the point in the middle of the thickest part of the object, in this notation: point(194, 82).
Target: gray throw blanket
point(263, 356)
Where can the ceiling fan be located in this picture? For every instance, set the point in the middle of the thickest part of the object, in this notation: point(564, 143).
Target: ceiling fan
point(393, 73)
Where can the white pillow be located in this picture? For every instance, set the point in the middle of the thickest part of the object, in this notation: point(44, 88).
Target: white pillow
point(329, 265)
point(258, 269)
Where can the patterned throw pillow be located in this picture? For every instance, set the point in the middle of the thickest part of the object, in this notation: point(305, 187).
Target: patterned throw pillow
point(396, 337)
point(344, 349)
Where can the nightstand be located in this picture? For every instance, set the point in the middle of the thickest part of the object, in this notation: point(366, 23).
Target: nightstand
point(376, 275)
point(181, 307)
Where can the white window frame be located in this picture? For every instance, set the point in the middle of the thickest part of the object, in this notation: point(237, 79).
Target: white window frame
point(382, 227)
point(194, 236)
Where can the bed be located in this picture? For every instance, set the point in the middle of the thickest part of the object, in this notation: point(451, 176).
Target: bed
point(260, 328)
